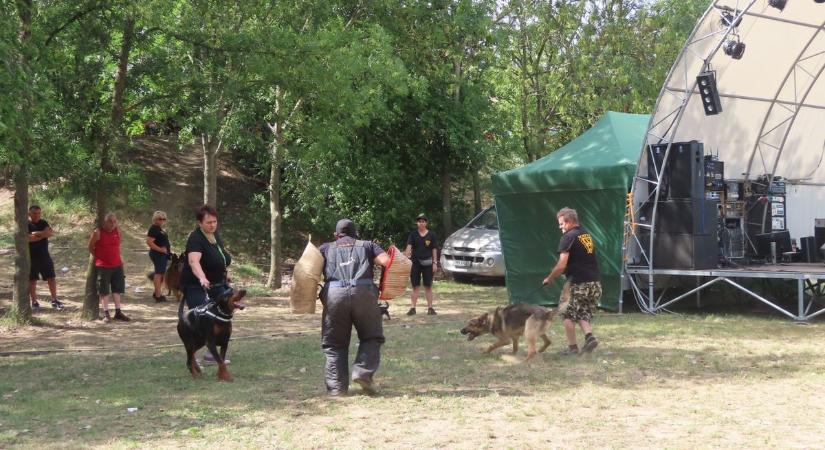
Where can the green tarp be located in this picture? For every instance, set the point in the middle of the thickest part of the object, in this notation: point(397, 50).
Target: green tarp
point(591, 174)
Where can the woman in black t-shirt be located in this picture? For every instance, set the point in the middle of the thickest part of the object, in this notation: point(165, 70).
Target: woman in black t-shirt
point(159, 251)
point(207, 259)
point(422, 249)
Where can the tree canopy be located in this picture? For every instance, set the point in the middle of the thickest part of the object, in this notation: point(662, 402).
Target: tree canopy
point(372, 109)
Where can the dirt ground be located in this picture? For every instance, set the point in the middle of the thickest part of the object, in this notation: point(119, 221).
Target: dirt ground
point(153, 324)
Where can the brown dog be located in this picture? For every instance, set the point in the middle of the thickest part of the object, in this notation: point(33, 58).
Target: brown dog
point(509, 323)
point(172, 276)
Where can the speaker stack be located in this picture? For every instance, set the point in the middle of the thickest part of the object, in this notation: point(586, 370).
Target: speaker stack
point(686, 221)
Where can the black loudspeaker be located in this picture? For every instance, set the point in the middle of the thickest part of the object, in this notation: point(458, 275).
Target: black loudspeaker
point(819, 234)
point(691, 216)
point(682, 251)
point(684, 175)
point(810, 253)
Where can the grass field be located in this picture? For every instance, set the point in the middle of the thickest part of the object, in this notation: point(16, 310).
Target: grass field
point(671, 381)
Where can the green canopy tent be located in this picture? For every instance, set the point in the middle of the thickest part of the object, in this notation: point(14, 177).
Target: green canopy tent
point(591, 174)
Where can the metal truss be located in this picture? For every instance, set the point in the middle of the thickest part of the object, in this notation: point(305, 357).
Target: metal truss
point(672, 120)
point(811, 282)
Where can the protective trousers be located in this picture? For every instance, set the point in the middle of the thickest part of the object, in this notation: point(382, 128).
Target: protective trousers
point(343, 308)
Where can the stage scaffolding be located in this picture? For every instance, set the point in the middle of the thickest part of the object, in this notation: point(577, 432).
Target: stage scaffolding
point(809, 278)
point(640, 273)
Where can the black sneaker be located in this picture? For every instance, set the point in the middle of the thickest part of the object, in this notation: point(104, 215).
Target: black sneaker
point(431, 312)
point(35, 304)
point(366, 385)
point(57, 305)
point(159, 299)
point(121, 317)
point(590, 344)
point(411, 312)
point(569, 351)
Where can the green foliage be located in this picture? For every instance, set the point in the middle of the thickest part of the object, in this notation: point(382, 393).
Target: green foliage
point(372, 103)
point(247, 270)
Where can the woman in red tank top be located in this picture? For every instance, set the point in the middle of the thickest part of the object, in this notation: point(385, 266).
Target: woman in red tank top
point(104, 245)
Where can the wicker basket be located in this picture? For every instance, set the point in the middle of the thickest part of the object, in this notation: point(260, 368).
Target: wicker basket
point(395, 276)
point(305, 280)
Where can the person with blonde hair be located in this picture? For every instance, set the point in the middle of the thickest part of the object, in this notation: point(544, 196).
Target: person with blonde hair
point(577, 261)
point(159, 252)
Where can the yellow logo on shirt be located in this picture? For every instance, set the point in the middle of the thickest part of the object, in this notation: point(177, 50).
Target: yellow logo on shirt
point(587, 242)
point(427, 243)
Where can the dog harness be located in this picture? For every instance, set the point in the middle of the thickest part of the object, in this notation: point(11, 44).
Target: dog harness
point(212, 310)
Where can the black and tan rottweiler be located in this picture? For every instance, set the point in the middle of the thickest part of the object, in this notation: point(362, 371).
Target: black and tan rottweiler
point(210, 325)
point(509, 323)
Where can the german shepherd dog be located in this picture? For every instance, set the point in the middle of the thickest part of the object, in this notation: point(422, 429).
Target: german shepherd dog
point(210, 325)
point(172, 276)
point(509, 323)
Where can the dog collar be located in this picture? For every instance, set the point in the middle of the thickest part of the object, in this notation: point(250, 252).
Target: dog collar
point(217, 314)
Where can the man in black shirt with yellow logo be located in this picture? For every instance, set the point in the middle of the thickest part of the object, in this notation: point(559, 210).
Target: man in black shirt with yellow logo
point(577, 260)
point(422, 249)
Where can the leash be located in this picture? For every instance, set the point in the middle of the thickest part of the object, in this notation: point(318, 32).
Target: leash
point(535, 290)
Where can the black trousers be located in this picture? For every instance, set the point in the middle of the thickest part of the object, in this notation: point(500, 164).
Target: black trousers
point(345, 307)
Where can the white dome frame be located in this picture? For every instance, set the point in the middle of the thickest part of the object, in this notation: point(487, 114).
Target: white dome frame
point(772, 125)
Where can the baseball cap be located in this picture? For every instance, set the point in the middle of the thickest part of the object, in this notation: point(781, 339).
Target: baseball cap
point(421, 216)
point(345, 227)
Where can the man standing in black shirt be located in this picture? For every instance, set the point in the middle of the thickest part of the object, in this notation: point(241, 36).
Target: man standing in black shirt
point(422, 249)
point(41, 261)
point(577, 260)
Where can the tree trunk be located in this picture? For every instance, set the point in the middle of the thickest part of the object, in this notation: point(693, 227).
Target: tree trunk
point(476, 192)
point(446, 184)
point(111, 140)
point(22, 262)
point(21, 310)
point(91, 300)
point(210, 170)
point(274, 279)
point(276, 149)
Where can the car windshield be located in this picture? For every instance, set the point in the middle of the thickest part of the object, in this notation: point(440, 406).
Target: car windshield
point(488, 220)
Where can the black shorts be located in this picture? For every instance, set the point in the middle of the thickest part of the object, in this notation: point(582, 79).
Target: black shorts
point(159, 261)
point(41, 267)
point(111, 280)
point(419, 272)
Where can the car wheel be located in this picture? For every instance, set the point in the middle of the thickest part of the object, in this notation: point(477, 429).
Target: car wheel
point(462, 277)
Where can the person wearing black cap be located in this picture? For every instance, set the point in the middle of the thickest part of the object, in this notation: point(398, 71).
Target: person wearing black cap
point(422, 249)
point(350, 298)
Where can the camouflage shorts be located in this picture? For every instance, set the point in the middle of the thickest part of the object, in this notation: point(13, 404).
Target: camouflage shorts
point(583, 298)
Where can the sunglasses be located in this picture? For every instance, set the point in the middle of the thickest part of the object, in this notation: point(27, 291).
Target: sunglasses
point(163, 219)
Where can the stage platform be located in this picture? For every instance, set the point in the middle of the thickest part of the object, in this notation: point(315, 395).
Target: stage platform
point(809, 278)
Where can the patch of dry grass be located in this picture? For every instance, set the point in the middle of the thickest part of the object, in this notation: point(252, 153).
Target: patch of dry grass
point(685, 381)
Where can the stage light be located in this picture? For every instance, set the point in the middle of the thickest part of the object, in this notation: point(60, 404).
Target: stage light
point(734, 49)
point(778, 4)
point(728, 16)
point(711, 104)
